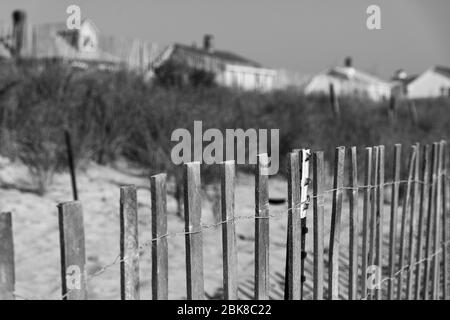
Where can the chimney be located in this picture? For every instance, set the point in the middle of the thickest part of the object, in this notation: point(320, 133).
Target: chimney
point(208, 42)
point(19, 32)
point(348, 62)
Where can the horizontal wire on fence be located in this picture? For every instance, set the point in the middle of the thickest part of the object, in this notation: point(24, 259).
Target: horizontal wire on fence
point(401, 271)
point(275, 215)
point(408, 268)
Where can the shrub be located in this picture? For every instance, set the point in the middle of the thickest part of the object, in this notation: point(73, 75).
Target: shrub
point(111, 115)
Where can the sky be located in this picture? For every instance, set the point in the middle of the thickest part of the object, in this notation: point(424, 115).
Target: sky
point(307, 36)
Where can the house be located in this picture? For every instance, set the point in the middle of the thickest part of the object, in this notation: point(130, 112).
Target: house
point(348, 81)
point(433, 83)
point(228, 69)
point(84, 47)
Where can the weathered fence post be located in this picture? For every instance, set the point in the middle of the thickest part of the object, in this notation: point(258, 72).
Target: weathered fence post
point(366, 221)
point(405, 214)
point(230, 273)
point(393, 219)
point(262, 280)
point(353, 227)
point(392, 112)
point(379, 220)
point(412, 230)
point(334, 101)
point(160, 260)
point(444, 245)
point(318, 188)
point(413, 112)
point(335, 232)
point(437, 212)
point(193, 229)
point(421, 222)
point(373, 216)
point(129, 244)
point(294, 229)
point(7, 272)
point(71, 162)
point(431, 208)
point(304, 157)
point(73, 254)
point(298, 180)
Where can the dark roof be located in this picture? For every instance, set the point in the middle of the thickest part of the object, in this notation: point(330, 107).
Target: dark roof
point(223, 56)
point(445, 71)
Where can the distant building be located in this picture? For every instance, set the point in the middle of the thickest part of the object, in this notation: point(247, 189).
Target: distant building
point(348, 81)
point(291, 80)
point(83, 48)
point(229, 69)
point(433, 83)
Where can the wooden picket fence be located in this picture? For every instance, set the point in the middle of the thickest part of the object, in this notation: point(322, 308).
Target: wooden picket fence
point(413, 264)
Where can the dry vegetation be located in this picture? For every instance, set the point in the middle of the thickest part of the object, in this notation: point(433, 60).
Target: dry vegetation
point(118, 115)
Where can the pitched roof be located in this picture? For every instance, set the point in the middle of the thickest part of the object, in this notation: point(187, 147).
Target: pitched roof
point(445, 71)
point(219, 56)
point(352, 74)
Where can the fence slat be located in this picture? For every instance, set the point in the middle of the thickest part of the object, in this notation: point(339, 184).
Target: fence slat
point(129, 244)
point(7, 271)
point(421, 223)
point(71, 163)
point(262, 281)
point(393, 219)
point(353, 227)
point(73, 254)
point(304, 156)
point(160, 260)
point(366, 221)
point(445, 189)
point(412, 231)
point(194, 238)
point(318, 209)
point(373, 220)
point(437, 235)
point(379, 220)
point(230, 273)
point(335, 232)
point(431, 208)
point(294, 229)
point(373, 214)
point(405, 214)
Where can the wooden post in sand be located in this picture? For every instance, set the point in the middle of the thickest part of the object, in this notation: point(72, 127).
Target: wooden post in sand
point(73, 255)
point(7, 278)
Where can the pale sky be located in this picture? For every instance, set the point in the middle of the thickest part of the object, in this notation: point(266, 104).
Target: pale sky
point(302, 35)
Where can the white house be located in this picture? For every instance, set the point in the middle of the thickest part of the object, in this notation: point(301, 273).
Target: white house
point(433, 83)
point(229, 69)
point(247, 77)
point(348, 81)
point(84, 47)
